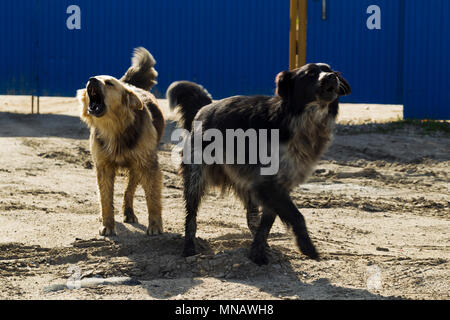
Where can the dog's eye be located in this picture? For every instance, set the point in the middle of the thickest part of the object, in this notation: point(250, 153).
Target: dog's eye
point(312, 73)
point(109, 83)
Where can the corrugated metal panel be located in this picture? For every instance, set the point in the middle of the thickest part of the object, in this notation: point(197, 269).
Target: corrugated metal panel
point(18, 44)
point(427, 59)
point(231, 47)
point(369, 59)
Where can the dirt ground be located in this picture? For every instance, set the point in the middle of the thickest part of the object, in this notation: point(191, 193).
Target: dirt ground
point(377, 209)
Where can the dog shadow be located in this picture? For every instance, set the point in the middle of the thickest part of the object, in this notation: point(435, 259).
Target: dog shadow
point(18, 125)
point(42, 126)
point(280, 279)
point(156, 261)
point(165, 274)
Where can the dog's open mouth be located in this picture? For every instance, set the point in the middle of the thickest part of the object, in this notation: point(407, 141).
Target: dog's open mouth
point(97, 106)
point(331, 89)
point(328, 93)
point(97, 109)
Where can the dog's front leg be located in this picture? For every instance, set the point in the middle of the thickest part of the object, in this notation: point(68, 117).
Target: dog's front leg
point(253, 217)
point(274, 199)
point(258, 250)
point(106, 174)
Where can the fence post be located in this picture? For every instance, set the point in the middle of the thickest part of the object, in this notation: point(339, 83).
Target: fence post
point(301, 38)
point(297, 41)
point(293, 35)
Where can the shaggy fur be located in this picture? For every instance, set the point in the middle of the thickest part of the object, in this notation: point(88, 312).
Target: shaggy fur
point(126, 126)
point(142, 73)
point(304, 111)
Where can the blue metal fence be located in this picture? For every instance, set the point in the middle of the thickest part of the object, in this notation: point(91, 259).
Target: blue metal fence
point(18, 44)
point(231, 47)
point(370, 59)
point(404, 62)
point(427, 59)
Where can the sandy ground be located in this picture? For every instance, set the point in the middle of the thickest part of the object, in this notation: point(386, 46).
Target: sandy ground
point(377, 209)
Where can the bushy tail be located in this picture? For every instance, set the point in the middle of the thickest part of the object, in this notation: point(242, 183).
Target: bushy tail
point(141, 74)
point(189, 97)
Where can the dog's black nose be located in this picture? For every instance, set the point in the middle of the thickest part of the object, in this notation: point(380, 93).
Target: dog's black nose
point(330, 77)
point(93, 80)
point(330, 81)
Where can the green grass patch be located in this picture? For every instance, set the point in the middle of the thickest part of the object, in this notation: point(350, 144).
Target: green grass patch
point(428, 126)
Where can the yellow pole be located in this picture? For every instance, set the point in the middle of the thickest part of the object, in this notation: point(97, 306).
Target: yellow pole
point(293, 35)
point(301, 35)
point(297, 41)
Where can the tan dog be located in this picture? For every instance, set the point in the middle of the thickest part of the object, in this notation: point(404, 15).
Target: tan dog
point(126, 126)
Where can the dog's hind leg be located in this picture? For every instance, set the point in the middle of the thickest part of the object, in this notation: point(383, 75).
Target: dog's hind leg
point(106, 174)
point(275, 199)
point(152, 184)
point(194, 187)
point(132, 183)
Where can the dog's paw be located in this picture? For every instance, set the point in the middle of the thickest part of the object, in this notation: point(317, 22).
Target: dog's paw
point(189, 251)
point(259, 256)
point(189, 248)
point(153, 231)
point(154, 228)
point(308, 249)
point(130, 218)
point(107, 232)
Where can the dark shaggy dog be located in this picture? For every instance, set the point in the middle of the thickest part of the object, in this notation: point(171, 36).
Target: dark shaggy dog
point(126, 127)
point(304, 111)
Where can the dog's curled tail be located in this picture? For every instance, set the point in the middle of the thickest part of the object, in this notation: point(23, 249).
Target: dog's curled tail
point(189, 97)
point(142, 73)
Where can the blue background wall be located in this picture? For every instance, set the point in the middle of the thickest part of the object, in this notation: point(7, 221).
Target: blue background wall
point(231, 47)
point(18, 47)
point(427, 59)
point(371, 60)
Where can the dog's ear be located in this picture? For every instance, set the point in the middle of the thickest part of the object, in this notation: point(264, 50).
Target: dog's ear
point(83, 100)
point(344, 86)
point(132, 100)
point(283, 83)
